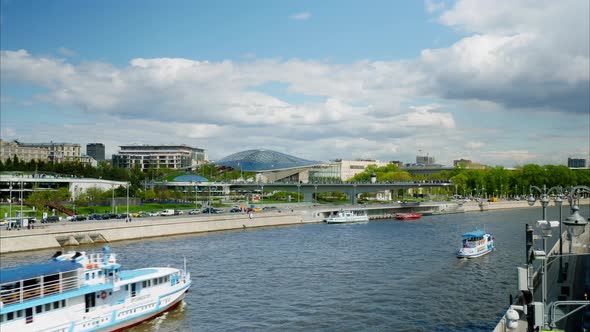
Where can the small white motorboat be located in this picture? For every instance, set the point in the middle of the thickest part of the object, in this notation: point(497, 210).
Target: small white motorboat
point(476, 244)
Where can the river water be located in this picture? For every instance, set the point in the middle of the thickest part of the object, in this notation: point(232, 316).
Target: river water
point(384, 275)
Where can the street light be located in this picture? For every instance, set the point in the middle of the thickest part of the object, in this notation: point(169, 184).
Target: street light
point(196, 206)
point(559, 202)
point(112, 198)
point(128, 218)
point(10, 202)
point(575, 225)
point(315, 196)
point(546, 229)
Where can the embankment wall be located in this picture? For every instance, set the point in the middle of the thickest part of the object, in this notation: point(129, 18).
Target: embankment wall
point(44, 238)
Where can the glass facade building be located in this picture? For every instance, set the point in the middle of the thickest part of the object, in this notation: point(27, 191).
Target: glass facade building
point(264, 161)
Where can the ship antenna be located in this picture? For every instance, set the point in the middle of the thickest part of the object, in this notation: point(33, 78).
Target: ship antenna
point(184, 258)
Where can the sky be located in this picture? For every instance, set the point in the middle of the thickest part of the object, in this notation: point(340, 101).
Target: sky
point(503, 83)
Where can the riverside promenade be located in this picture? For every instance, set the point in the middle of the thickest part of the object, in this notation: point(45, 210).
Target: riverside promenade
point(47, 236)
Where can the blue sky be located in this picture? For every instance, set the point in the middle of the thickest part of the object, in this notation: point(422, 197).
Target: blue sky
point(498, 82)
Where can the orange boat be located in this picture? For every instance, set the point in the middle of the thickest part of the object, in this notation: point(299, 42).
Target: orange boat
point(407, 216)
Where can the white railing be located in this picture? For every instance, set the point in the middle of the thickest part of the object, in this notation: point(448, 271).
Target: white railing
point(21, 293)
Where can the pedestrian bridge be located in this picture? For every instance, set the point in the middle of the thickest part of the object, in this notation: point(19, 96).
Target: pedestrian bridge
point(351, 188)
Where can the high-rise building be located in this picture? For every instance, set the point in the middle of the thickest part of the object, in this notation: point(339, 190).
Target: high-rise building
point(159, 156)
point(95, 150)
point(576, 162)
point(424, 160)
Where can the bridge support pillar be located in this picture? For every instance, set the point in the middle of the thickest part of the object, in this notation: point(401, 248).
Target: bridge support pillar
point(352, 194)
point(307, 195)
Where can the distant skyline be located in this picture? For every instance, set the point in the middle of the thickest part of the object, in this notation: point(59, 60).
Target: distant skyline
point(497, 82)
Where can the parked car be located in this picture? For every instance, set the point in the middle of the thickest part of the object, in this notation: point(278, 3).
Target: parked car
point(178, 212)
point(50, 219)
point(235, 209)
point(95, 216)
point(78, 218)
point(154, 214)
point(210, 210)
point(143, 214)
point(167, 212)
point(194, 211)
point(269, 208)
point(106, 216)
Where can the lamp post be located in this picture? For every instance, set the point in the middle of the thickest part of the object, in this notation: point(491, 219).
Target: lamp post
point(315, 196)
point(546, 229)
point(21, 201)
point(298, 189)
point(196, 206)
point(112, 198)
point(209, 209)
point(74, 199)
point(127, 216)
point(10, 201)
point(559, 202)
point(575, 225)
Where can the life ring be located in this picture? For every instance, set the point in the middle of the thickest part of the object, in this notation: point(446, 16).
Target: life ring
point(103, 295)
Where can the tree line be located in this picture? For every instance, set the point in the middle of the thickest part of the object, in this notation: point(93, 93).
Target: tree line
point(490, 181)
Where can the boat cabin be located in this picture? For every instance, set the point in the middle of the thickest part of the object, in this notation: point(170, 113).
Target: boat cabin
point(474, 239)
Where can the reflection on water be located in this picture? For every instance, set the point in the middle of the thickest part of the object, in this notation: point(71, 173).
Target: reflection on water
point(379, 276)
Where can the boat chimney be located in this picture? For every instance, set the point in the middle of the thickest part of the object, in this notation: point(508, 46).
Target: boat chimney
point(105, 257)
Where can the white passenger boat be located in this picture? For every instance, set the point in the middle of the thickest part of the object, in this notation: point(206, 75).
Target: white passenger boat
point(86, 292)
point(346, 217)
point(475, 244)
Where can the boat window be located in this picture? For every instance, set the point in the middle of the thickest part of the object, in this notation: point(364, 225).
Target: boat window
point(47, 306)
point(55, 305)
point(63, 303)
point(100, 273)
point(10, 316)
point(93, 275)
point(19, 313)
point(29, 315)
point(38, 309)
point(1, 318)
point(87, 276)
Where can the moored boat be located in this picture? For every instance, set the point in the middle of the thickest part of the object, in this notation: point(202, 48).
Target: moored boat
point(86, 292)
point(475, 244)
point(407, 216)
point(346, 217)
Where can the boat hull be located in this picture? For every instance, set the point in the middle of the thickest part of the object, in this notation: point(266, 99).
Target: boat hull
point(475, 255)
point(138, 320)
point(346, 221)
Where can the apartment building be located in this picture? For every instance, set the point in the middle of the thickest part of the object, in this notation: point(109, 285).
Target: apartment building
point(159, 156)
point(24, 153)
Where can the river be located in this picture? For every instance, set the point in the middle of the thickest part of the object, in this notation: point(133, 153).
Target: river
point(384, 275)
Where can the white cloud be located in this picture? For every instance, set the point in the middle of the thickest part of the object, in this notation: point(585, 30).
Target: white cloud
point(66, 52)
point(303, 16)
point(474, 145)
point(433, 6)
point(515, 57)
point(7, 133)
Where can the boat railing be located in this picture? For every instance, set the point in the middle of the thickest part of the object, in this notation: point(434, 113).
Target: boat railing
point(18, 292)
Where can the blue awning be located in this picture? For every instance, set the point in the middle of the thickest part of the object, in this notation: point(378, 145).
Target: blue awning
point(476, 233)
point(36, 270)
